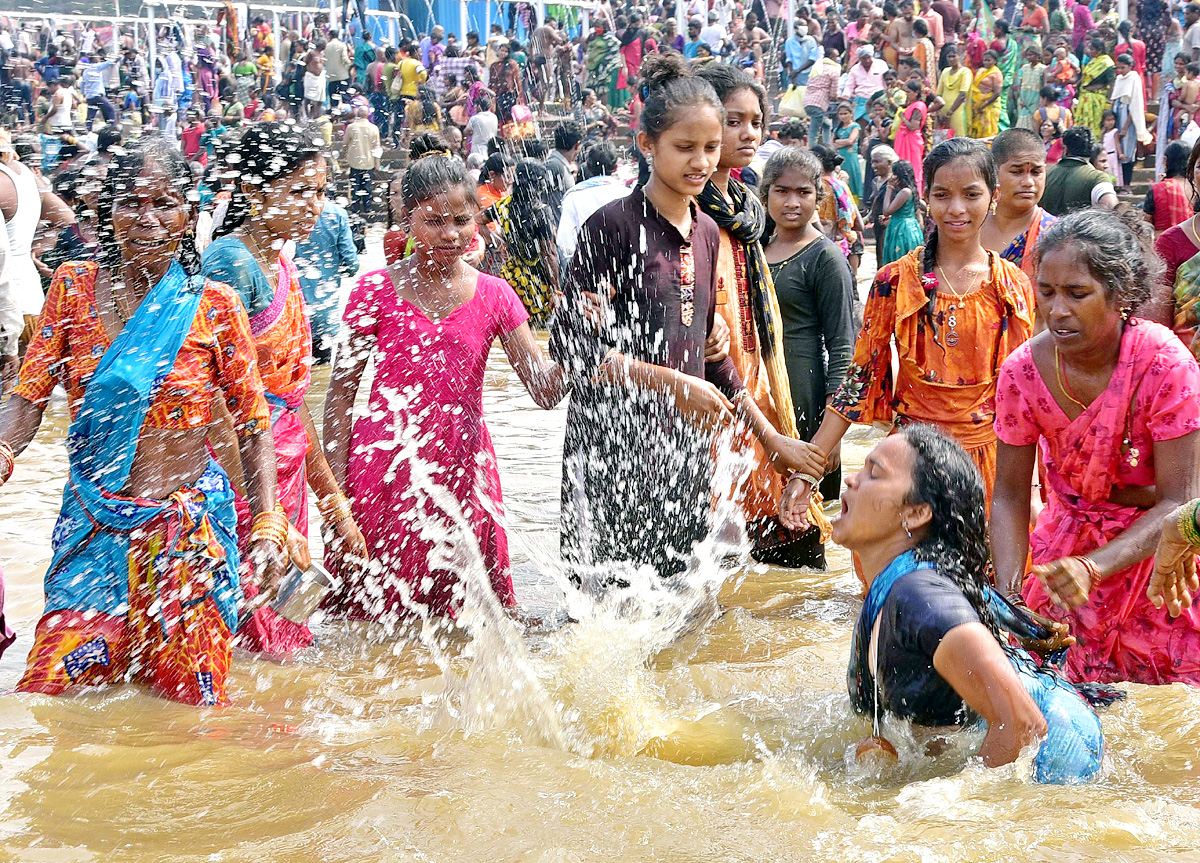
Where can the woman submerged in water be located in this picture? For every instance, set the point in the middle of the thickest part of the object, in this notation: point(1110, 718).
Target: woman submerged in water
point(928, 645)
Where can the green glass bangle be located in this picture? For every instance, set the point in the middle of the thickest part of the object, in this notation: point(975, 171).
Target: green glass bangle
point(1187, 523)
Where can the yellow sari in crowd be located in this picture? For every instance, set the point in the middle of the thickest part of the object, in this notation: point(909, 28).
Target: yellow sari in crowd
point(951, 84)
point(1090, 105)
point(985, 118)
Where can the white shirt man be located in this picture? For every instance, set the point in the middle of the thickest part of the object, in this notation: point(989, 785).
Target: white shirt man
point(713, 34)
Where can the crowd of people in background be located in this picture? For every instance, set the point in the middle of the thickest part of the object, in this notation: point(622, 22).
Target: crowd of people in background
point(687, 214)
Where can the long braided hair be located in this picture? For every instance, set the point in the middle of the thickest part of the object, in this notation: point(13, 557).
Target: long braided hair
point(956, 540)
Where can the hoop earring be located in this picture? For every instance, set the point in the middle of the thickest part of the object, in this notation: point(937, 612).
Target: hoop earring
point(904, 524)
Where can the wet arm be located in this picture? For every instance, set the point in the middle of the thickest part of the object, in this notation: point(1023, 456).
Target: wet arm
point(546, 380)
point(339, 402)
point(970, 660)
point(19, 423)
point(320, 476)
point(1010, 514)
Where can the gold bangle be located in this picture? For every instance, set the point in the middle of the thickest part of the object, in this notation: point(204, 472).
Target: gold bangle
point(7, 461)
point(335, 509)
point(272, 525)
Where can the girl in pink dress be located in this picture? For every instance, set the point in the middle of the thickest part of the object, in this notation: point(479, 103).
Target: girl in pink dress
point(1113, 405)
point(419, 467)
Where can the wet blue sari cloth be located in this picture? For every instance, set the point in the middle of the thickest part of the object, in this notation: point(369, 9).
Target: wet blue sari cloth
point(90, 567)
point(1073, 750)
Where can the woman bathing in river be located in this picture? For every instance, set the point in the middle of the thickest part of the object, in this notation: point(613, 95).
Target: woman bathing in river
point(636, 463)
point(143, 583)
point(1110, 401)
point(927, 646)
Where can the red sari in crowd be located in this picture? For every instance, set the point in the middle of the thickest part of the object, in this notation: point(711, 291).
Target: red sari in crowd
point(1154, 395)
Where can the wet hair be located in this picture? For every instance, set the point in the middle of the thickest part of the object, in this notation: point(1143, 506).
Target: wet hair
point(265, 153)
point(123, 173)
point(1050, 93)
point(669, 87)
point(1194, 68)
point(567, 135)
point(1126, 59)
point(434, 174)
point(1117, 246)
point(496, 163)
point(727, 80)
point(920, 28)
point(425, 143)
point(956, 539)
point(793, 129)
point(531, 212)
point(1175, 159)
point(1078, 141)
point(827, 156)
point(1014, 142)
point(107, 137)
point(600, 160)
point(788, 159)
point(429, 106)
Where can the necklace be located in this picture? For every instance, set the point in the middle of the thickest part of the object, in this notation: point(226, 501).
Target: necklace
point(1062, 380)
point(952, 313)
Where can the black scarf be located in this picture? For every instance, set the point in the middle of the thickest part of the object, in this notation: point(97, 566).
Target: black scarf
point(745, 220)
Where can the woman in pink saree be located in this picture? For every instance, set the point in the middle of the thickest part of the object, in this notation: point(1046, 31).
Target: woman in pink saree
point(1113, 404)
point(910, 131)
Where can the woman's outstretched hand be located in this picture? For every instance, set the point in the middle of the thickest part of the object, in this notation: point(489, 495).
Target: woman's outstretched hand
point(789, 455)
point(700, 401)
point(1068, 581)
point(793, 506)
point(1174, 580)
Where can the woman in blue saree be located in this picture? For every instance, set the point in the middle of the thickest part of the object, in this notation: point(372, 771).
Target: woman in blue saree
point(143, 583)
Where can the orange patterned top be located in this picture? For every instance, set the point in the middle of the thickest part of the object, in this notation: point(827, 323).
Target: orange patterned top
point(218, 354)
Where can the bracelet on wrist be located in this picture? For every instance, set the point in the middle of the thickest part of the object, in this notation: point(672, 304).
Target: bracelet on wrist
point(1187, 523)
point(1092, 568)
point(7, 461)
point(803, 477)
point(335, 509)
point(272, 526)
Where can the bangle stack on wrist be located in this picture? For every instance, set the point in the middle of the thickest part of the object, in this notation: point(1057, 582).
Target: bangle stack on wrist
point(1187, 523)
point(272, 526)
point(812, 481)
point(7, 460)
point(335, 509)
point(1092, 568)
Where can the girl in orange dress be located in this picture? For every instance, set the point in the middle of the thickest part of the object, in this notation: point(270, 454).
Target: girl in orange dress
point(953, 311)
point(283, 187)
